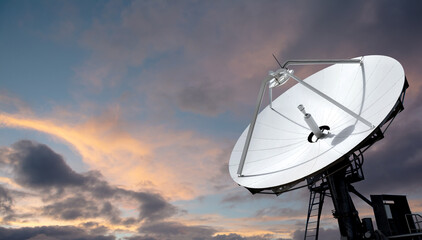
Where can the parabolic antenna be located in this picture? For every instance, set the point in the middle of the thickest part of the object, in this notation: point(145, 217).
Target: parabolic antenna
point(345, 102)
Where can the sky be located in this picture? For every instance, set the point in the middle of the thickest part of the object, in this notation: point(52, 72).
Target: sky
point(117, 118)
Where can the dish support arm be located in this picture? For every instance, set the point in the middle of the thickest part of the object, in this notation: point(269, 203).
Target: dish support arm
point(262, 91)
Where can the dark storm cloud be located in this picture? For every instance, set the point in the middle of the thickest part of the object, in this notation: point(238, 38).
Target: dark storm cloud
point(81, 196)
point(72, 208)
point(78, 207)
point(36, 165)
point(153, 206)
point(97, 186)
point(50, 233)
point(112, 212)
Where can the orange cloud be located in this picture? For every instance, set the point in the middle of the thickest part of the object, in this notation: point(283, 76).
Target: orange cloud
point(175, 163)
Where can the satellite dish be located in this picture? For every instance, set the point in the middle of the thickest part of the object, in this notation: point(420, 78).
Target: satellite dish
point(317, 122)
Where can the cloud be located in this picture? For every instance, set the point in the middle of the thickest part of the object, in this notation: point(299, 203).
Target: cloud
point(234, 236)
point(36, 165)
point(203, 97)
point(145, 153)
point(94, 228)
point(393, 165)
point(6, 201)
point(190, 63)
point(80, 196)
point(174, 230)
point(50, 233)
point(207, 66)
point(153, 206)
point(274, 211)
point(77, 207)
point(139, 26)
point(354, 21)
point(329, 234)
point(90, 197)
point(11, 103)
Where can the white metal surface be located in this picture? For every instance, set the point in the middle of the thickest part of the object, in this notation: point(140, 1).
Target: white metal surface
point(279, 152)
